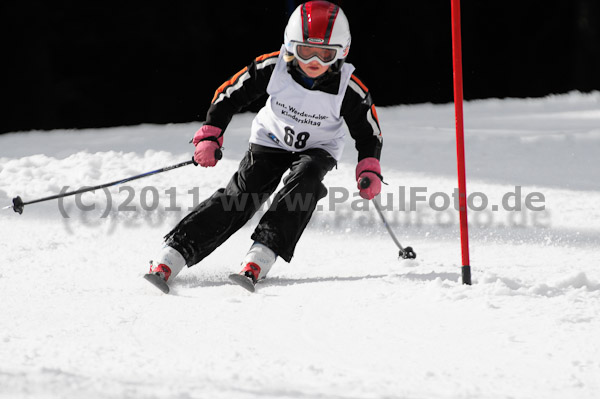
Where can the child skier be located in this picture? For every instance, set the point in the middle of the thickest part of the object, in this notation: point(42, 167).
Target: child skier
point(311, 92)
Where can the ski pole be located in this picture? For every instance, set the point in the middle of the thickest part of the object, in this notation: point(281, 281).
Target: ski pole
point(405, 253)
point(19, 204)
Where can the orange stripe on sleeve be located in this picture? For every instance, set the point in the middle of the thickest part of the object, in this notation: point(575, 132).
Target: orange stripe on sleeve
point(235, 77)
point(374, 113)
point(358, 82)
point(265, 56)
point(228, 83)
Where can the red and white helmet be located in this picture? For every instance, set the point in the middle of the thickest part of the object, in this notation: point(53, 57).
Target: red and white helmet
point(318, 30)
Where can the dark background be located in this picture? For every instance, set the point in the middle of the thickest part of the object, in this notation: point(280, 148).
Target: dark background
point(77, 64)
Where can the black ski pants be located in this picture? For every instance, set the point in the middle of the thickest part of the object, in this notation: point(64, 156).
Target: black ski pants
point(215, 219)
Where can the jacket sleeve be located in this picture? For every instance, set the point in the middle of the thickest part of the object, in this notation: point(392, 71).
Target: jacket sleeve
point(360, 115)
point(241, 90)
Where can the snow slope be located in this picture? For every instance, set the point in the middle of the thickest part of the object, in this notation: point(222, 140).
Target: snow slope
point(345, 319)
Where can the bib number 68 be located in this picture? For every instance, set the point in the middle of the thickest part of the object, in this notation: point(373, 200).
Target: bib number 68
point(297, 141)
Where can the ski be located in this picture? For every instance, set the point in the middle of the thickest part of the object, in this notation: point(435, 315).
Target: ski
point(157, 281)
point(242, 281)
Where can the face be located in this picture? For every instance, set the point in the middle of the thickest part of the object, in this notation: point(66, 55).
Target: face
point(313, 69)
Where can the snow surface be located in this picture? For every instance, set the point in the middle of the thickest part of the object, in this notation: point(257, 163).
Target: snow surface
point(345, 319)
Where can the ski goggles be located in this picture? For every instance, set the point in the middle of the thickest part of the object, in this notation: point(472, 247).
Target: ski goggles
point(325, 55)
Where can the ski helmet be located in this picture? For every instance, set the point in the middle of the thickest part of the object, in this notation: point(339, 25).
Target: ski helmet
point(318, 30)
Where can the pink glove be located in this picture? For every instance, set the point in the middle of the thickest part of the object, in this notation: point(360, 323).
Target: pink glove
point(369, 168)
point(208, 141)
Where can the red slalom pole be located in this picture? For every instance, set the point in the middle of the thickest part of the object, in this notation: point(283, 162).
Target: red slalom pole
point(460, 140)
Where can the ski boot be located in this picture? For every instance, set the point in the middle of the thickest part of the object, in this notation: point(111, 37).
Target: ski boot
point(248, 277)
point(158, 276)
point(170, 262)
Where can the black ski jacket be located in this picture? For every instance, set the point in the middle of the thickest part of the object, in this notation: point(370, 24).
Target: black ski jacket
point(251, 83)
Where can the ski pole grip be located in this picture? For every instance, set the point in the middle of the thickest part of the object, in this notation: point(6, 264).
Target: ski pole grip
point(218, 156)
point(365, 182)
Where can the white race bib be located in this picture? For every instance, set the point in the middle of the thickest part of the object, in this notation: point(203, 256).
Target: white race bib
point(297, 119)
